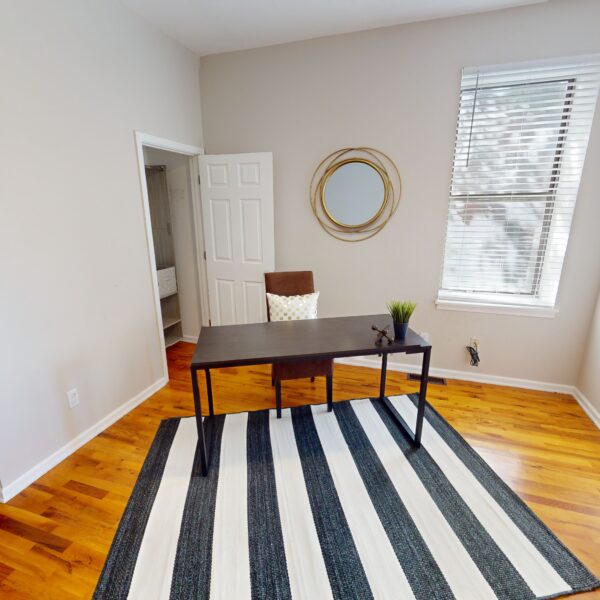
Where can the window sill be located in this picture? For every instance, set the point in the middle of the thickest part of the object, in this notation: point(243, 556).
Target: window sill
point(498, 309)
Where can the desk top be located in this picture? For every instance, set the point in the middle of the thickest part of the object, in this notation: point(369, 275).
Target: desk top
point(284, 341)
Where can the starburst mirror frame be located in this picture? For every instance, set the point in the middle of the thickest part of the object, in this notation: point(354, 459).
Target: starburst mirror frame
point(365, 162)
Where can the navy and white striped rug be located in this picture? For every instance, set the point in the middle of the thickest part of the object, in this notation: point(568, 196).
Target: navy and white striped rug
point(323, 505)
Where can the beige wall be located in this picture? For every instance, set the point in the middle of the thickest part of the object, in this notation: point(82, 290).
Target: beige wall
point(589, 378)
point(396, 89)
point(76, 304)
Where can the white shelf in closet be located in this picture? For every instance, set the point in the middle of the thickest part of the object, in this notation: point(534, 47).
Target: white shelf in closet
point(171, 339)
point(170, 321)
point(168, 296)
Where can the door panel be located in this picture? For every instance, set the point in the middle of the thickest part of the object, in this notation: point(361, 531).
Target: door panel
point(254, 301)
point(225, 301)
point(220, 213)
point(217, 175)
point(237, 215)
point(251, 230)
point(249, 173)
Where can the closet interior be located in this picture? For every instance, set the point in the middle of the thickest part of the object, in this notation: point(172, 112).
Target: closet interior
point(171, 215)
point(164, 252)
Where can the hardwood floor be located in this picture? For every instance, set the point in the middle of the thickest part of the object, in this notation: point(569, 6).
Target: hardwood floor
point(55, 535)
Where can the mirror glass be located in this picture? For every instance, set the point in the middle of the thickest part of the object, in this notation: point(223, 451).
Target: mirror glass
point(354, 194)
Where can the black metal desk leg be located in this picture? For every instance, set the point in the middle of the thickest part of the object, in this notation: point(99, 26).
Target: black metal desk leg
point(278, 398)
point(383, 374)
point(199, 425)
point(329, 379)
point(211, 411)
point(422, 396)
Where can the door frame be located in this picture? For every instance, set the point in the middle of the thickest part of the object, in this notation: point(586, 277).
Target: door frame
point(151, 141)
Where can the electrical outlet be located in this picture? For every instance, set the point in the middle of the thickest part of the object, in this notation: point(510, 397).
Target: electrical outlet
point(425, 335)
point(474, 343)
point(473, 352)
point(73, 397)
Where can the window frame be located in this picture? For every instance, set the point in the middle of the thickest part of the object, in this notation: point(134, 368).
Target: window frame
point(515, 303)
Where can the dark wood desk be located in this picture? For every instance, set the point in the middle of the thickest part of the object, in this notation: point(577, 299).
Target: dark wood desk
point(285, 341)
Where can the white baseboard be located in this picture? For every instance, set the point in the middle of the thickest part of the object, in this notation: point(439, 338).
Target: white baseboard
point(530, 384)
point(16, 486)
point(590, 410)
point(375, 362)
point(192, 339)
point(19, 484)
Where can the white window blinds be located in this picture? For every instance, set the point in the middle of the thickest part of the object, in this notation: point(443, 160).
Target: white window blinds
point(520, 146)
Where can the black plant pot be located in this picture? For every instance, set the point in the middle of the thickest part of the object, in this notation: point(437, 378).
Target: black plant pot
point(400, 330)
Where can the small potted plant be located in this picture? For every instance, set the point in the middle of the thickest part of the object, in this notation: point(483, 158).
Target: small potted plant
point(401, 311)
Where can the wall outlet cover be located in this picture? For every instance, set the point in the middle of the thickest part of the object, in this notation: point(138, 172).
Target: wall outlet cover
point(73, 397)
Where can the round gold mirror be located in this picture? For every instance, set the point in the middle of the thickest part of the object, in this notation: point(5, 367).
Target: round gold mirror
point(354, 193)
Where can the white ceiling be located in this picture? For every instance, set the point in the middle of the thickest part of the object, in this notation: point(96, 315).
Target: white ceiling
point(210, 26)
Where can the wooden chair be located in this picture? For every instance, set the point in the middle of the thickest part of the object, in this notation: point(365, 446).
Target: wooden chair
point(294, 283)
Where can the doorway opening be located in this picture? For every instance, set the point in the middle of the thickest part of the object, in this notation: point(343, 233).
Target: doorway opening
point(224, 243)
point(169, 181)
point(169, 196)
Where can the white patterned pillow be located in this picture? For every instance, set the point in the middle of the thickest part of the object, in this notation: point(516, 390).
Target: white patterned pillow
point(292, 308)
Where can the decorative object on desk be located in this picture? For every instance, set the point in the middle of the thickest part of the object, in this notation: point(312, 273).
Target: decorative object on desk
point(385, 522)
point(354, 192)
point(292, 308)
point(381, 333)
point(401, 312)
point(474, 353)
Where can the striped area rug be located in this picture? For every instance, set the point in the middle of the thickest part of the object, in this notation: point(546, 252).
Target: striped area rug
point(322, 505)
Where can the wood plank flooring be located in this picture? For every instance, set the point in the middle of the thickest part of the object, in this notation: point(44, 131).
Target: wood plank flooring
point(55, 535)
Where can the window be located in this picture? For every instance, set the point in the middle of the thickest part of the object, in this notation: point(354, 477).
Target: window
point(520, 145)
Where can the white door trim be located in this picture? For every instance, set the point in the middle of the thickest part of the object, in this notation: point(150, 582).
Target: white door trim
point(152, 141)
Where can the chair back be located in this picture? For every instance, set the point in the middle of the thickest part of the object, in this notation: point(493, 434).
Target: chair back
point(289, 283)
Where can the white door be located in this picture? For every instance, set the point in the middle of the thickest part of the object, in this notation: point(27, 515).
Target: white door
point(239, 236)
